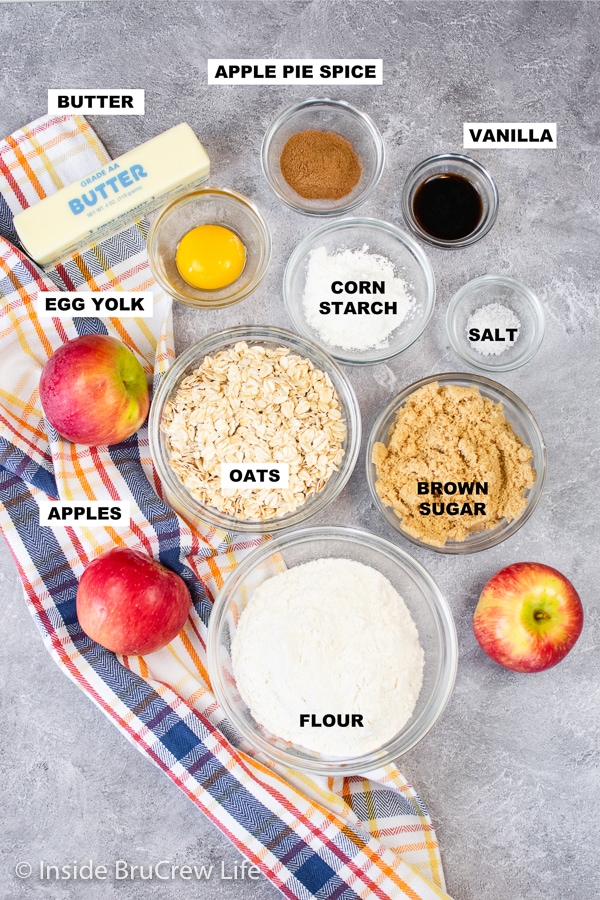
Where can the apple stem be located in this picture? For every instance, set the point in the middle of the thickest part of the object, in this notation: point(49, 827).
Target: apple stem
point(539, 614)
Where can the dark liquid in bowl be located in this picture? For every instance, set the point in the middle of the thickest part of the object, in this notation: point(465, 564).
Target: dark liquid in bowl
point(447, 206)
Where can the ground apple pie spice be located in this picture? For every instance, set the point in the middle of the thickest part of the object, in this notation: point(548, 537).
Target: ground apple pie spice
point(327, 655)
point(320, 165)
point(254, 404)
point(455, 438)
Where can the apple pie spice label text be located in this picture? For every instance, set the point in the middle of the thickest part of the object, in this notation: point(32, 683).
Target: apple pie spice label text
point(57, 513)
point(57, 305)
point(295, 71)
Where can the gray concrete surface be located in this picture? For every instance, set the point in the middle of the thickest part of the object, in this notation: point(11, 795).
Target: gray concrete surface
point(511, 772)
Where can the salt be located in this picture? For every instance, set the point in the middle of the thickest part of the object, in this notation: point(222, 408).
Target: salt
point(491, 317)
point(354, 331)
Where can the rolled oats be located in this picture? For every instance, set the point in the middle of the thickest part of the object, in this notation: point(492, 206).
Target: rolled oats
point(257, 405)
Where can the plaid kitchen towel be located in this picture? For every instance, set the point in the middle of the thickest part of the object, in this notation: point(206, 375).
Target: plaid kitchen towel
point(332, 838)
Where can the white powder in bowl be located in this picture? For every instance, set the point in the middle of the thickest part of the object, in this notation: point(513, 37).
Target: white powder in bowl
point(491, 323)
point(329, 638)
point(354, 330)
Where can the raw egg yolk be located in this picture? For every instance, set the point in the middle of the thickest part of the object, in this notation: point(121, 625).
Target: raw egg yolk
point(210, 257)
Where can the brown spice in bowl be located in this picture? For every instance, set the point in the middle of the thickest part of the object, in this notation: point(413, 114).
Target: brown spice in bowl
point(451, 435)
point(320, 165)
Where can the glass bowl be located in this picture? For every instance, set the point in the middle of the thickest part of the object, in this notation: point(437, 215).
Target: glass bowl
point(423, 598)
point(524, 426)
point(324, 115)
point(178, 496)
point(452, 163)
point(510, 293)
point(410, 263)
point(209, 206)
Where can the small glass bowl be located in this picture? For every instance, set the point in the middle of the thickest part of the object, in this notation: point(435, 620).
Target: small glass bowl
point(209, 206)
point(456, 164)
point(423, 598)
point(508, 292)
point(524, 426)
point(410, 263)
point(324, 115)
point(177, 495)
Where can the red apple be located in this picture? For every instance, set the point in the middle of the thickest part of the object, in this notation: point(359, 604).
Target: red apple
point(130, 603)
point(528, 617)
point(93, 390)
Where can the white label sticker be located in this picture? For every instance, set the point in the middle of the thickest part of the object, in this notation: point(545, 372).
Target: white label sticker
point(255, 476)
point(61, 513)
point(295, 71)
point(498, 135)
point(96, 102)
point(57, 305)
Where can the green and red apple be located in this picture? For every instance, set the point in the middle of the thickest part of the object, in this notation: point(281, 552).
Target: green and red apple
point(528, 617)
point(130, 603)
point(93, 390)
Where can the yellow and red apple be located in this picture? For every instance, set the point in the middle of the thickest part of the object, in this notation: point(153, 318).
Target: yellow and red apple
point(528, 617)
point(130, 603)
point(93, 390)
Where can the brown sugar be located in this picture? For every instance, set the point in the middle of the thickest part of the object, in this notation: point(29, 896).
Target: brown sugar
point(320, 165)
point(456, 438)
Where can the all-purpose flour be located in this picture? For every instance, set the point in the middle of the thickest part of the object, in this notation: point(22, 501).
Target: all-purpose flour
point(330, 637)
point(354, 331)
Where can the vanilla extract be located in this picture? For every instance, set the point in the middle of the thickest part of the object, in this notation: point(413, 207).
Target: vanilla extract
point(447, 206)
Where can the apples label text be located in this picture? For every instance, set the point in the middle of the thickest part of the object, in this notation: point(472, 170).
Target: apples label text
point(254, 476)
point(94, 512)
point(55, 305)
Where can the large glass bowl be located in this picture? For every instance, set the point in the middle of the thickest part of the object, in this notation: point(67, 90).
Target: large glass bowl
point(423, 598)
point(324, 115)
point(381, 238)
point(209, 206)
point(524, 426)
point(178, 496)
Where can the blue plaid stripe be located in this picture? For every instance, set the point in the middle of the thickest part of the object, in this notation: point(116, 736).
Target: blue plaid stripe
point(179, 740)
point(18, 463)
point(251, 805)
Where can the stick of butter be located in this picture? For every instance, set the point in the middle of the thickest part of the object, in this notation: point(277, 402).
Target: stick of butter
point(105, 201)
